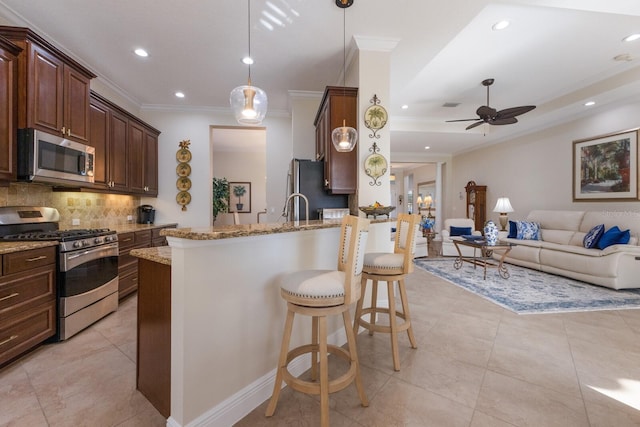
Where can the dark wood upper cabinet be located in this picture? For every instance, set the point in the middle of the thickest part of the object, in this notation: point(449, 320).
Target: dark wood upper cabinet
point(126, 158)
point(151, 163)
point(118, 155)
point(53, 89)
point(8, 119)
point(99, 139)
point(136, 157)
point(340, 169)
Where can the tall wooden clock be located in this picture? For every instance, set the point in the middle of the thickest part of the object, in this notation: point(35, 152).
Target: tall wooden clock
point(477, 204)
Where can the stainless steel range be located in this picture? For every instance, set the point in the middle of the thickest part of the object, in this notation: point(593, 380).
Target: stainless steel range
point(87, 278)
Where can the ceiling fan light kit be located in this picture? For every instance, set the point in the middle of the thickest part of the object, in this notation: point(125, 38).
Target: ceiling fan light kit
point(491, 116)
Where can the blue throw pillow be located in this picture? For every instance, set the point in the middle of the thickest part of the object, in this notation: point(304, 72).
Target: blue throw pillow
point(591, 238)
point(528, 230)
point(513, 230)
point(459, 231)
point(613, 236)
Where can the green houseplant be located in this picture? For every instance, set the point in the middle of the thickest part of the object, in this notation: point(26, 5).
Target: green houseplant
point(239, 191)
point(220, 201)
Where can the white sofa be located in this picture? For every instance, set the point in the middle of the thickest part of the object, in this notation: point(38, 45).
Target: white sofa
point(561, 250)
point(422, 248)
point(448, 247)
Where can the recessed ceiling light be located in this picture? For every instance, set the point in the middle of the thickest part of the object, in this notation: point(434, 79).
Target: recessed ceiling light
point(141, 52)
point(179, 95)
point(589, 103)
point(501, 25)
point(427, 147)
point(631, 38)
point(405, 106)
point(247, 60)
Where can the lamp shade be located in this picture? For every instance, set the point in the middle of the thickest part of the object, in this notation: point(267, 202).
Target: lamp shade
point(249, 104)
point(428, 200)
point(503, 205)
point(419, 201)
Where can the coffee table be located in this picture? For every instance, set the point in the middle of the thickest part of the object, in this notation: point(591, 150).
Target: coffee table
point(486, 256)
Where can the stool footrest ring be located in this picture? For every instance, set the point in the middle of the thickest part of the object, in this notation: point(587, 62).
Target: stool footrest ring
point(382, 328)
point(313, 387)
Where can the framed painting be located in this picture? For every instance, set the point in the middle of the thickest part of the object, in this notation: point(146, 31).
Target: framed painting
point(240, 197)
point(605, 168)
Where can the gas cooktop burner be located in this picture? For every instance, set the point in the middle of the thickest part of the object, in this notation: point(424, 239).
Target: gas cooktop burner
point(60, 235)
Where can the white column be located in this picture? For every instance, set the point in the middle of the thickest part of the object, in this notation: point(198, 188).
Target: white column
point(372, 70)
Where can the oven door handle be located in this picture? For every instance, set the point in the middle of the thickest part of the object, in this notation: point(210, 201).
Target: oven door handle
point(74, 259)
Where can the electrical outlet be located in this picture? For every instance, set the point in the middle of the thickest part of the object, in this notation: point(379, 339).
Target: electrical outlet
point(75, 221)
point(129, 217)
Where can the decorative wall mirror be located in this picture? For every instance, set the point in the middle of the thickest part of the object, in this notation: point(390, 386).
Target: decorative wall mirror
point(427, 189)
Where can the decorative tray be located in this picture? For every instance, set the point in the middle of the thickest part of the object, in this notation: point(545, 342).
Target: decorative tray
point(382, 210)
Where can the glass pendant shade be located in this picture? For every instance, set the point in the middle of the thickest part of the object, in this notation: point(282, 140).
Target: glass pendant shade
point(249, 104)
point(344, 138)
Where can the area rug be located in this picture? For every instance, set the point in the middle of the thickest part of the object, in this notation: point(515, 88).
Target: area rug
point(529, 291)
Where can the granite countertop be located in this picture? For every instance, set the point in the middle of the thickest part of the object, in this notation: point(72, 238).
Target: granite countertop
point(126, 228)
point(244, 230)
point(9, 247)
point(160, 254)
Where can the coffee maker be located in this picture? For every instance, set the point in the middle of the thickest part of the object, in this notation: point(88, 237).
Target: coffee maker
point(146, 214)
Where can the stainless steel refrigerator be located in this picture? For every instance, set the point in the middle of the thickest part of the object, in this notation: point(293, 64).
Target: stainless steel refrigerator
point(307, 178)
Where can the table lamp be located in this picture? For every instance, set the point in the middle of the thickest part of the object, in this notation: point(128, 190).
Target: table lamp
point(419, 203)
point(503, 206)
point(427, 201)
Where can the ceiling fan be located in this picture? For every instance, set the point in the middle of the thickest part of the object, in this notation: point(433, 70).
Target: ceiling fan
point(491, 116)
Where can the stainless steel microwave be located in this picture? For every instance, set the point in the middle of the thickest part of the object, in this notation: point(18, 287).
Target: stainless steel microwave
point(43, 157)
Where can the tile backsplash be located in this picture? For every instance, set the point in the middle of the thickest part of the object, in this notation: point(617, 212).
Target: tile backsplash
point(94, 210)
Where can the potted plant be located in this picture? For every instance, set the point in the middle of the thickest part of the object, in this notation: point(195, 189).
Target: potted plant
point(220, 201)
point(239, 191)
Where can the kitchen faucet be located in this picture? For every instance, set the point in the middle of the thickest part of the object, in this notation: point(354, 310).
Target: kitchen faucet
point(306, 204)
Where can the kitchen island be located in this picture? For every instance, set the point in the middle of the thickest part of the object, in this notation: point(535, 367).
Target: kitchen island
point(227, 315)
point(153, 350)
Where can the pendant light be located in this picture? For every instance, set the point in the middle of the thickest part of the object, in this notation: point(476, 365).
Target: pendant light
point(249, 103)
point(344, 138)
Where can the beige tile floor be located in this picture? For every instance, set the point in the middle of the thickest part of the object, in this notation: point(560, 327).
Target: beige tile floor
point(477, 365)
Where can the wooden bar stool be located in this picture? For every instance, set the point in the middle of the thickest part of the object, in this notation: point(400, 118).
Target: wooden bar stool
point(322, 293)
point(390, 268)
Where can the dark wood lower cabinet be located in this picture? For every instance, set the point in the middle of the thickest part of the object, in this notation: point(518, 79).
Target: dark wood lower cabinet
point(27, 300)
point(153, 376)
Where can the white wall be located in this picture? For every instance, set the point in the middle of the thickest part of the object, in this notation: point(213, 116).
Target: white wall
point(195, 125)
point(535, 171)
point(242, 166)
point(304, 107)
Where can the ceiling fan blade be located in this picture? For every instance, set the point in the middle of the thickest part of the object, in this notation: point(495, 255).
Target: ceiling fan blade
point(485, 112)
point(461, 120)
point(471, 126)
point(507, 121)
point(512, 112)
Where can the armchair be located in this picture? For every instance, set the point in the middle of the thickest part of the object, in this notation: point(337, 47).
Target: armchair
point(448, 248)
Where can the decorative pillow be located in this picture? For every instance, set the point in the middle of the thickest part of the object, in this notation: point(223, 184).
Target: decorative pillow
point(513, 230)
point(459, 231)
point(613, 236)
point(528, 230)
point(591, 238)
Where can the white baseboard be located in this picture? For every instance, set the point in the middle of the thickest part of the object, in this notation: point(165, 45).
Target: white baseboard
point(237, 406)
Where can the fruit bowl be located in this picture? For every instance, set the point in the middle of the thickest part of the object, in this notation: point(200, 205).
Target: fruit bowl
point(381, 210)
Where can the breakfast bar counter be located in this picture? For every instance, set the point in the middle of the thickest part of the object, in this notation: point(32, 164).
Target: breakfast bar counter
point(227, 314)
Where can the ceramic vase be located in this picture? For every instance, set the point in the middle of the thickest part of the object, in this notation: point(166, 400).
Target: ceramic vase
point(490, 233)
